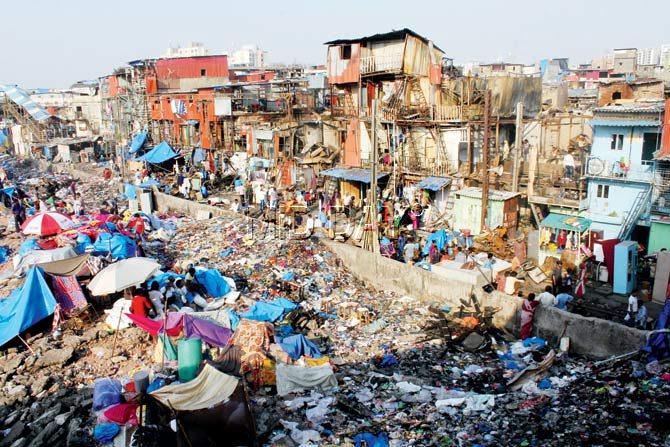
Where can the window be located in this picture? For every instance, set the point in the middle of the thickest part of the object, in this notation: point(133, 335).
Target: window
point(345, 52)
point(649, 145)
point(603, 191)
point(203, 72)
point(617, 142)
point(616, 95)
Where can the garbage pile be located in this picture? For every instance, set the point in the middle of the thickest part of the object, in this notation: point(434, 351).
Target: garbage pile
point(286, 346)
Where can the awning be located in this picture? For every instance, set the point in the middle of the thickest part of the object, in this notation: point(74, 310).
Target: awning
point(23, 100)
point(159, 154)
point(353, 174)
point(625, 123)
point(565, 222)
point(434, 183)
point(138, 141)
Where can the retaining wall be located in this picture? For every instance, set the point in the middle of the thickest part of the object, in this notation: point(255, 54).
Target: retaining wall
point(592, 337)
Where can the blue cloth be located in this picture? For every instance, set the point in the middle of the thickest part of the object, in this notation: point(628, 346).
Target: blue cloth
point(562, 300)
point(658, 344)
point(120, 246)
point(298, 345)
point(198, 155)
point(129, 191)
point(149, 183)
point(84, 243)
point(285, 304)
point(213, 282)
point(440, 237)
point(535, 342)
point(227, 252)
point(371, 440)
point(26, 306)
point(288, 276)
point(28, 245)
point(163, 277)
point(261, 311)
point(155, 385)
point(138, 142)
point(4, 251)
point(105, 433)
point(159, 154)
point(388, 360)
point(234, 318)
point(238, 182)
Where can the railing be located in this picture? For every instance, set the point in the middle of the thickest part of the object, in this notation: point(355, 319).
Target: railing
point(385, 62)
point(599, 168)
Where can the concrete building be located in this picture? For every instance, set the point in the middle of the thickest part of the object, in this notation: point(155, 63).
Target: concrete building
point(80, 105)
point(621, 168)
point(664, 56)
point(193, 49)
point(649, 56)
point(248, 56)
point(624, 60)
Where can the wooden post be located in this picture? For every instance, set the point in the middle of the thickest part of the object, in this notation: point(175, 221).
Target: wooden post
point(485, 159)
point(517, 146)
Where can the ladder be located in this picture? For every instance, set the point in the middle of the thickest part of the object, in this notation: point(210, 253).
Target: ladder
point(639, 205)
point(35, 128)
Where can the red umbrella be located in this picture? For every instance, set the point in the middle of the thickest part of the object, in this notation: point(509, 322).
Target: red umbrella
point(47, 224)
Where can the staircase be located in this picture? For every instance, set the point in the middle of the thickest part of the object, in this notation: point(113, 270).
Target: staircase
point(35, 128)
point(639, 205)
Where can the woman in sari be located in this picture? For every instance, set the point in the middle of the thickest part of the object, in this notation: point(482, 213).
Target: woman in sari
point(581, 282)
point(527, 312)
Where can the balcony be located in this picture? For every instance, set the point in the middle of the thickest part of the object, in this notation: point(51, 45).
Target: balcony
point(615, 170)
point(380, 64)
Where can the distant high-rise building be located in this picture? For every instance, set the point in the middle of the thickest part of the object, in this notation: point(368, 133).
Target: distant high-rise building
point(193, 49)
point(648, 56)
point(248, 56)
point(665, 56)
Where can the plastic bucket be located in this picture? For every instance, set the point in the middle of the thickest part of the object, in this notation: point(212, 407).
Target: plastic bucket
point(189, 353)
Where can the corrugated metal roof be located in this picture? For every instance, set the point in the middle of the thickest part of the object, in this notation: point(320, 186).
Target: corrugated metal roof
point(434, 183)
point(566, 222)
point(393, 35)
point(635, 107)
point(494, 194)
point(624, 122)
point(21, 98)
point(353, 174)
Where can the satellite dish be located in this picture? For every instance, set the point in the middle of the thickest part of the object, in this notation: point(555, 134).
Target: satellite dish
point(595, 166)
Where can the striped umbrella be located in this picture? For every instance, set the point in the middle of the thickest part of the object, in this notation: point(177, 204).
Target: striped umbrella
point(47, 224)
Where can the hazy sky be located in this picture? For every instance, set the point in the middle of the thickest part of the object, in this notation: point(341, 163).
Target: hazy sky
point(53, 43)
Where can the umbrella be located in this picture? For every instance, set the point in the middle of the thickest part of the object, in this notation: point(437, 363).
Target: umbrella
point(121, 275)
point(47, 224)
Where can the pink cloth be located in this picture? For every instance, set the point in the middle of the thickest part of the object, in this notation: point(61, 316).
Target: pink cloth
point(122, 414)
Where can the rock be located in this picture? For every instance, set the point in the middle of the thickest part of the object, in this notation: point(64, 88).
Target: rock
point(90, 334)
point(61, 419)
point(40, 384)
point(71, 341)
point(54, 357)
point(13, 363)
point(119, 359)
point(14, 433)
point(472, 342)
point(20, 442)
point(44, 435)
point(17, 392)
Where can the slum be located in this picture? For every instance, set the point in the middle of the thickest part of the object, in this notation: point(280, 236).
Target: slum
point(289, 348)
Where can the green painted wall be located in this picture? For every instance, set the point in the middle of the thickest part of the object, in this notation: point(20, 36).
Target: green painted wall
point(659, 236)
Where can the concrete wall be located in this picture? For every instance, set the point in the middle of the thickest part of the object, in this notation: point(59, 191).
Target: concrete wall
point(590, 337)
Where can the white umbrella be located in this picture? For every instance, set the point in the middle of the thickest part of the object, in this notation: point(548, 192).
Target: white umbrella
point(121, 275)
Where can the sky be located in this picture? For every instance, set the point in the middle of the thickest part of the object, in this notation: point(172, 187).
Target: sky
point(54, 43)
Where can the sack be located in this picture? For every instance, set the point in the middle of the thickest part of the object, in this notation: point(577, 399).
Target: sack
point(627, 317)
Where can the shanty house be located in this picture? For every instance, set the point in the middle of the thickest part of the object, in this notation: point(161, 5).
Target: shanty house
point(621, 168)
point(502, 210)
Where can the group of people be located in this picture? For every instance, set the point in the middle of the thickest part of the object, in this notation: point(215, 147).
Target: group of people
point(179, 295)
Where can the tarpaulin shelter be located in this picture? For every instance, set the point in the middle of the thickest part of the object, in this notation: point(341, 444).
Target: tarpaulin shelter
point(298, 345)
point(138, 141)
point(440, 237)
point(26, 306)
point(34, 257)
point(160, 153)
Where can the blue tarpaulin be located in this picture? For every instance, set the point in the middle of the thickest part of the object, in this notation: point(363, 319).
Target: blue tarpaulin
point(433, 183)
point(658, 343)
point(163, 277)
point(441, 239)
point(198, 155)
point(120, 246)
point(298, 345)
point(213, 281)
point(84, 243)
point(138, 142)
point(371, 440)
point(28, 245)
point(25, 306)
point(261, 311)
point(149, 183)
point(353, 174)
point(129, 191)
point(159, 154)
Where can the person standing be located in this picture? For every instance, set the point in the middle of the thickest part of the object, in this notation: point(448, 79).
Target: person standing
point(631, 314)
point(568, 165)
point(527, 313)
point(547, 298)
point(580, 289)
point(557, 277)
